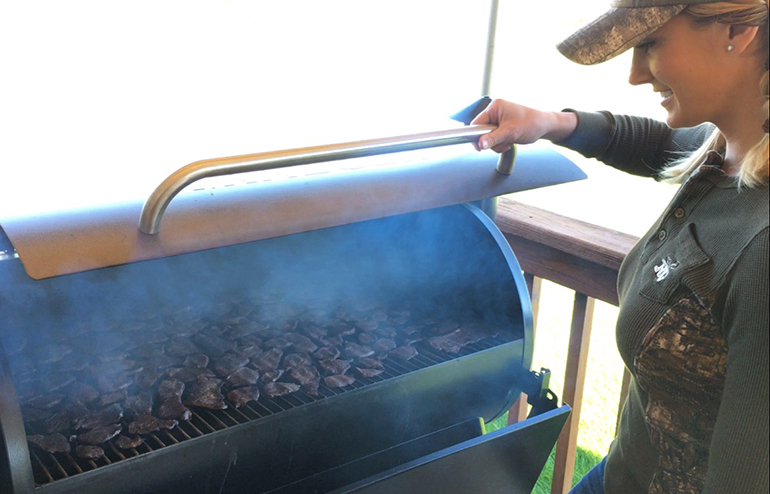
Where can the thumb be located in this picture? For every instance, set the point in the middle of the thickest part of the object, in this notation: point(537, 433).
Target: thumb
point(489, 140)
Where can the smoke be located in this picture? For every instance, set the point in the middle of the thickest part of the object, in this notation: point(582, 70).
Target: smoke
point(100, 328)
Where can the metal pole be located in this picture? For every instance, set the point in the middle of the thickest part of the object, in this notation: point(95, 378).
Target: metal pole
point(490, 48)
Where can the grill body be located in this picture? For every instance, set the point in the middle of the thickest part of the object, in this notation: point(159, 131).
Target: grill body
point(94, 316)
point(447, 263)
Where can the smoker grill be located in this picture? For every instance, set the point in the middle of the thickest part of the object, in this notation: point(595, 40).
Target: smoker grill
point(396, 265)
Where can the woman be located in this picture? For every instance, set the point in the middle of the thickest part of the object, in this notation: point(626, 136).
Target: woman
point(693, 321)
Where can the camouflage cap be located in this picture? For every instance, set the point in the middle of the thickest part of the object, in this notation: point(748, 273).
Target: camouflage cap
point(622, 27)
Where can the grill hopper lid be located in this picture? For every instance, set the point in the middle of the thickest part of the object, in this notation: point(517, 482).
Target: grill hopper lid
point(255, 206)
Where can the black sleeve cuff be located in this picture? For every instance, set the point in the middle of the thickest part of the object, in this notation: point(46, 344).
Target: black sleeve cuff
point(592, 135)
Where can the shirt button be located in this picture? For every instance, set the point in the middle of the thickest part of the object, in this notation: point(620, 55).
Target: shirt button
point(662, 235)
point(679, 213)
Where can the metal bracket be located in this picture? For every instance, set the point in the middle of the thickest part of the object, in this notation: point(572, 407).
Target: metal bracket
point(535, 386)
point(506, 161)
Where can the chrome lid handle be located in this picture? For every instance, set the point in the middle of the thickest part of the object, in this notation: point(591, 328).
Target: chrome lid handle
point(156, 204)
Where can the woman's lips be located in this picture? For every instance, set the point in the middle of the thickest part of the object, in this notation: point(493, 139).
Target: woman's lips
point(668, 96)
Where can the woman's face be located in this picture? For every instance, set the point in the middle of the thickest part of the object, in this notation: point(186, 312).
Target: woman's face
point(684, 64)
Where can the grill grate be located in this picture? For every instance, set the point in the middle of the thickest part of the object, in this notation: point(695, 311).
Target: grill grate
point(49, 467)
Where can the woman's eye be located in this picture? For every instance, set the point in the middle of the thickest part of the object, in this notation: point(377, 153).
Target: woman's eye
point(645, 47)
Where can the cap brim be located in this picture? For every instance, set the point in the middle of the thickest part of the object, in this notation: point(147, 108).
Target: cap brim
point(615, 32)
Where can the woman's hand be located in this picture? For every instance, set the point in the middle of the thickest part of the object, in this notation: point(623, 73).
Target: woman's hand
point(517, 124)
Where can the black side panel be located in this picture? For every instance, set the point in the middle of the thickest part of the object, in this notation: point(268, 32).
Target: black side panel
point(507, 461)
point(385, 460)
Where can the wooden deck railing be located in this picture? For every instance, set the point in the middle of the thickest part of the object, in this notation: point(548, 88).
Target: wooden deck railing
point(586, 259)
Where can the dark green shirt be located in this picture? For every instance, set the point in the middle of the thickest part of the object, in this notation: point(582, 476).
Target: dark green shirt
point(693, 322)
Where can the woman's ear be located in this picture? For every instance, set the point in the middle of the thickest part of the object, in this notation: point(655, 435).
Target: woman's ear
point(741, 37)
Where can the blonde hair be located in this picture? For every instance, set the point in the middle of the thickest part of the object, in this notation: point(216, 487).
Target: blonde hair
point(754, 169)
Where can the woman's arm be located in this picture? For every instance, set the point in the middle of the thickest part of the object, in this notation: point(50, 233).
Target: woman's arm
point(637, 145)
point(738, 459)
point(640, 146)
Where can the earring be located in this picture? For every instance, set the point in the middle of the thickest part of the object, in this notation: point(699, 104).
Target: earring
point(730, 47)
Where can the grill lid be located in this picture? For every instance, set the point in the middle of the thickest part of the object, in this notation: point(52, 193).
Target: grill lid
point(252, 206)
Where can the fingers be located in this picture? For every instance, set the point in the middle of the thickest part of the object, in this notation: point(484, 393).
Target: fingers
point(490, 116)
point(516, 124)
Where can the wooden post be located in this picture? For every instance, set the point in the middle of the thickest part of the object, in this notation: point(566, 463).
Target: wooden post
point(566, 447)
point(519, 410)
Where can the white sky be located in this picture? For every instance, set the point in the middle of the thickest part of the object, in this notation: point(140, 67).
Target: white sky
point(101, 101)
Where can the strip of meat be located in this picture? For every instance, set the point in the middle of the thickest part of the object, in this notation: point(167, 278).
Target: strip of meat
point(206, 393)
point(368, 372)
point(278, 342)
point(387, 332)
point(82, 393)
point(181, 347)
point(301, 343)
point(100, 434)
point(148, 377)
point(109, 383)
point(189, 374)
point(239, 397)
point(89, 452)
point(213, 346)
point(52, 353)
point(54, 382)
point(367, 338)
point(30, 415)
point(268, 361)
point(315, 332)
point(140, 403)
point(383, 345)
point(110, 398)
point(126, 442)
point(249, 346)
point(280, 389)
point(339, 380)
point(110, 415)
point(445, 326)
point(61, 420)
point(370, 363)
point(307, 377)
point(335, 366)
point(327, 353)
point(271, 376)
point(170, 395)
point(145, 424)
point(406, 352)
point(456, 340)
point(332, 341)
point(162, 362)
point(354, 350)
point(242, 377)
point(148, 351)
point(342, 329)
point(367, 325)
point(297, 360)
point(73, 363)
point(199, 360)
point(229, 363)
point(46, 401)
point(52, 443)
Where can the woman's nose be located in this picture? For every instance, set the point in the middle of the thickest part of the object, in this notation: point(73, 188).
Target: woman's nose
point(640, 68)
